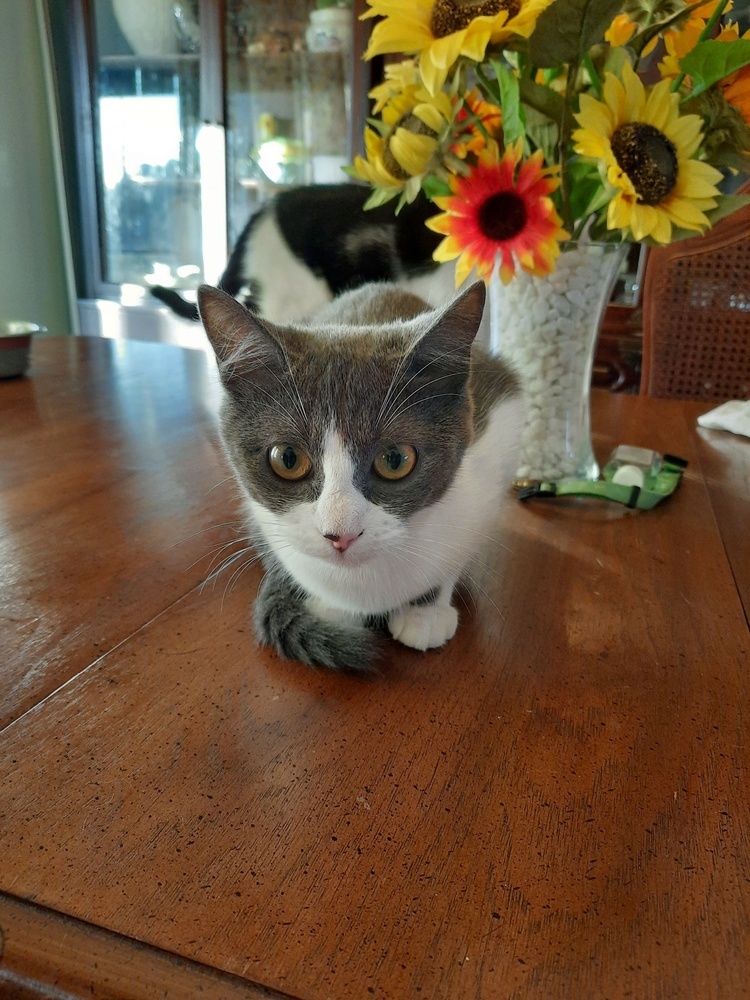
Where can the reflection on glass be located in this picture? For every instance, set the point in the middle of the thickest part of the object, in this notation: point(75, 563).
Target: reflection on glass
point(146, 111)
point(169, 197)
point(287, 98)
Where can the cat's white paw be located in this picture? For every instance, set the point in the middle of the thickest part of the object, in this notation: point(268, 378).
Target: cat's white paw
point(424, 626)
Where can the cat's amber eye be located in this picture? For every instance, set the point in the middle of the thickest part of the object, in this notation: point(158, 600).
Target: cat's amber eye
point(288, 461)
point(395, 461)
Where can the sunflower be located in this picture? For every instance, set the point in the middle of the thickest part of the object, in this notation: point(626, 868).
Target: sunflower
point(502, 208)
point(443, 30)
point(647, 148)
point(398, 78)
point(400, 152)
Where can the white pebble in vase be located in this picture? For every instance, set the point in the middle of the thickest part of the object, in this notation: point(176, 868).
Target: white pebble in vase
point(546, 328)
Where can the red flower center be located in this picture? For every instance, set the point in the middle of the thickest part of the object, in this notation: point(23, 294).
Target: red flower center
point(502, 216)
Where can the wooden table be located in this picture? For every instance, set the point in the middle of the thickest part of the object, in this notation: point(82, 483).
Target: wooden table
point(555, 805)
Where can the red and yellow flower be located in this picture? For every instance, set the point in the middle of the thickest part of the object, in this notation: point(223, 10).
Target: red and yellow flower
point(501, 211)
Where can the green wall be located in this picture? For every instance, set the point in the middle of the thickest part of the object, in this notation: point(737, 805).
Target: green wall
point(33, 250)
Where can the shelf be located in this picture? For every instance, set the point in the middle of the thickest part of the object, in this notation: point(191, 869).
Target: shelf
point(150, 62)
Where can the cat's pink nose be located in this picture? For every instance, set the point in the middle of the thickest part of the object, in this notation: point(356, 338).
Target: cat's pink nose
point(342, 542)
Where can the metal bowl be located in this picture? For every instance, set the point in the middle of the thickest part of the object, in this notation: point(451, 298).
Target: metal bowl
point(15, 346)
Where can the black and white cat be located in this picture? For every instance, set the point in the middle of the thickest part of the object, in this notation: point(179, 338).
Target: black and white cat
point(310, 244)
point(371, 445)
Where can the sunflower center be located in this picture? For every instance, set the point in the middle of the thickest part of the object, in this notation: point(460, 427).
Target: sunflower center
point(648, 158)
point(455, 15)
point(502, 216)
point(412, 124)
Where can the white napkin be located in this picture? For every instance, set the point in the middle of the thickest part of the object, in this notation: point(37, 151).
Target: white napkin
point(733, 416)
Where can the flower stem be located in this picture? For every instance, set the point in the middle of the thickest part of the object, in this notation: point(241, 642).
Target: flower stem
point(596, 83)
point(563, 143)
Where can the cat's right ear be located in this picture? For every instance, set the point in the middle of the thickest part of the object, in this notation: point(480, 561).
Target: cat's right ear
point(240, 340)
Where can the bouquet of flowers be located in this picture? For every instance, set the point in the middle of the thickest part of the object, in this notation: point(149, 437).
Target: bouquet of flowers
point(532, 122)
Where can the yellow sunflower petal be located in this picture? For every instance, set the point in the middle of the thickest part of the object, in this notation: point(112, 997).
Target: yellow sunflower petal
point(643, 220)
point(432, 76)
point(595, 116)
point(686, 132)
point(430, 115)
point(699, 179)
point(618, 213)
point(395, 36)
point(658, 109)
point(685, 213)
point(662, 228)
point(615, 99)
point(412, 152)
point(590, 144)
point(477, 39)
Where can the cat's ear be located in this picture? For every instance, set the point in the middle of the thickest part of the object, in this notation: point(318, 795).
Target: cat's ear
point(238, 337)
point(456, 326)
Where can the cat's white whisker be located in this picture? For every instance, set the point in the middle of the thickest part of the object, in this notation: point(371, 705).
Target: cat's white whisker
point(460, 569)
point(397, 401)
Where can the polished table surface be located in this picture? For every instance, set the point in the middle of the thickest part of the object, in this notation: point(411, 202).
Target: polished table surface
point(554, 805)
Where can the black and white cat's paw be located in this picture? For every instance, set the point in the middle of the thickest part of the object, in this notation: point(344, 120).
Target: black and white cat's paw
point(424, 626)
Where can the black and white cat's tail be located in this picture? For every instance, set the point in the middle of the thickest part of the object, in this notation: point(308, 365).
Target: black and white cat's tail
point(283, 620)
point(173, 299)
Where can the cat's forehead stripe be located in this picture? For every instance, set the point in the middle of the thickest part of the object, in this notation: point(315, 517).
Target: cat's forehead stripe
point(338, 465)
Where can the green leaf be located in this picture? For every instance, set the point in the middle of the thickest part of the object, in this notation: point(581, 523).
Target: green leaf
point(434, 187)
point(380, 196)
point(514, 123)
point(588, 193)
point(542, 134)
point(379, 125)
point(567, 29)
point(711, 61)
point(543, 99)
point(728, 205)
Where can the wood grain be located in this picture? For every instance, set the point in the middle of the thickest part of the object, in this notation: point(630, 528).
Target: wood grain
point(553, 805)
point(724, 459)
point(69, 959)
point(108, 456)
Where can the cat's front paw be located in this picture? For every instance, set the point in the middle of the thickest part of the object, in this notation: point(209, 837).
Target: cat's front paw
point(424, 626)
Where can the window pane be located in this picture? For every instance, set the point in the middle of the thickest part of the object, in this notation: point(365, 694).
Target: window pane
point(146, 120)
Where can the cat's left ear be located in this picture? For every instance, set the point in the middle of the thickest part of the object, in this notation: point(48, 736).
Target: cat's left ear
point(236, 333)
point(224, 319)
point(453, 332)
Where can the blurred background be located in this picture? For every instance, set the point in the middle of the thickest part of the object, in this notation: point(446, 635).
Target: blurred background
point(138, 136)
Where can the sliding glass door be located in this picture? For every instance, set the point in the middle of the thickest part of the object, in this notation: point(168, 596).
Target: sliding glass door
point(146, 103)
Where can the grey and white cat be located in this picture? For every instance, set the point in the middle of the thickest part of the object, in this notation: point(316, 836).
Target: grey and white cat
point(371, 444)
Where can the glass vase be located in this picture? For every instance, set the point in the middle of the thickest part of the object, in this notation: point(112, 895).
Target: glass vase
point(547, 328)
